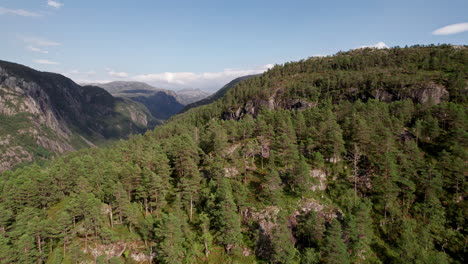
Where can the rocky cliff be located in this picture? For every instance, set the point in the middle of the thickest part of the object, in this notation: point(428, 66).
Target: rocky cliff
point(43, 114)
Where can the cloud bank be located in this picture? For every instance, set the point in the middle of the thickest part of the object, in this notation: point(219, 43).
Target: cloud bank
point(451, 29)
point(18, 12)
point(54, 4)
point(209, 81)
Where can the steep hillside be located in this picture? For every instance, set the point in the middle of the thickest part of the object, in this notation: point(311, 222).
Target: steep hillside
point(42, 114)
point(354, 158)
point(220, 93)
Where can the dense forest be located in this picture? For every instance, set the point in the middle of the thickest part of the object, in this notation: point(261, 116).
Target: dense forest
point(360, 157)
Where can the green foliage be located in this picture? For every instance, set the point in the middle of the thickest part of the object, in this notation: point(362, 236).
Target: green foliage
point(201, 189)
point(334, 248)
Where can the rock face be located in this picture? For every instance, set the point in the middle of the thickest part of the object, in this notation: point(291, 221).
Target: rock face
point(307, 205)
point(320, 178)
point(43, 114)
point(422, 93)
point(429, 92)
point(274, 102)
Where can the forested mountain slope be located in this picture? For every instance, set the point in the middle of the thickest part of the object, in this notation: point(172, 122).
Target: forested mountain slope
point(43, 114)
point(355, 158)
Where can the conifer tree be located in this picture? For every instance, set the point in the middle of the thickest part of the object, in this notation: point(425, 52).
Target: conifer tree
point(171, 239)
point(334, 248)
point(283, 250)
point(229, 223)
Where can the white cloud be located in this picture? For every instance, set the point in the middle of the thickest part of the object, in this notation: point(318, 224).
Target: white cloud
point(46, 62)
point(451, 29)
point(206, 81)
point(34, 49)
point(378, 45)
point(40, 42)
point(117, 74)
point(54, 4)
point(18, 12)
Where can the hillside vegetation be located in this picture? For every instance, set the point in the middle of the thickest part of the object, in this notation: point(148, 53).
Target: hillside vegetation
point(354, 158)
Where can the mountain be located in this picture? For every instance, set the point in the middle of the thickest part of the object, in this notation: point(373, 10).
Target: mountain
point(188, 96)
point(161, 103)
point(43, 114)
point(220, 93)
point(358, 157)
point(124, 86)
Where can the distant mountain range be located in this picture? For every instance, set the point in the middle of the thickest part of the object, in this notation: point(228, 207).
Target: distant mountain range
point(161, 103)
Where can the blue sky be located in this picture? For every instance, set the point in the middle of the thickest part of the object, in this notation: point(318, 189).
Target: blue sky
point(203, 44)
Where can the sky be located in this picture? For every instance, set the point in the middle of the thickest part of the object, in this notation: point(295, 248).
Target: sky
point(203, 44)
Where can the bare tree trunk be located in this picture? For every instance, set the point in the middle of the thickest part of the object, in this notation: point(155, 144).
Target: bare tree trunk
point(191, 208)
point(207, 250)
point(150, 259)
point(39, 247)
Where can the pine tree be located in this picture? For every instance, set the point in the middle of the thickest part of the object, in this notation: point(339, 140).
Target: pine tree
point(229, 223)
point(171, 239)
point(310, 256)
point(283, 250)
point(300, 179)
point(334, 249)
point(206, 235)
point(310, 230)
point(272, 189)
